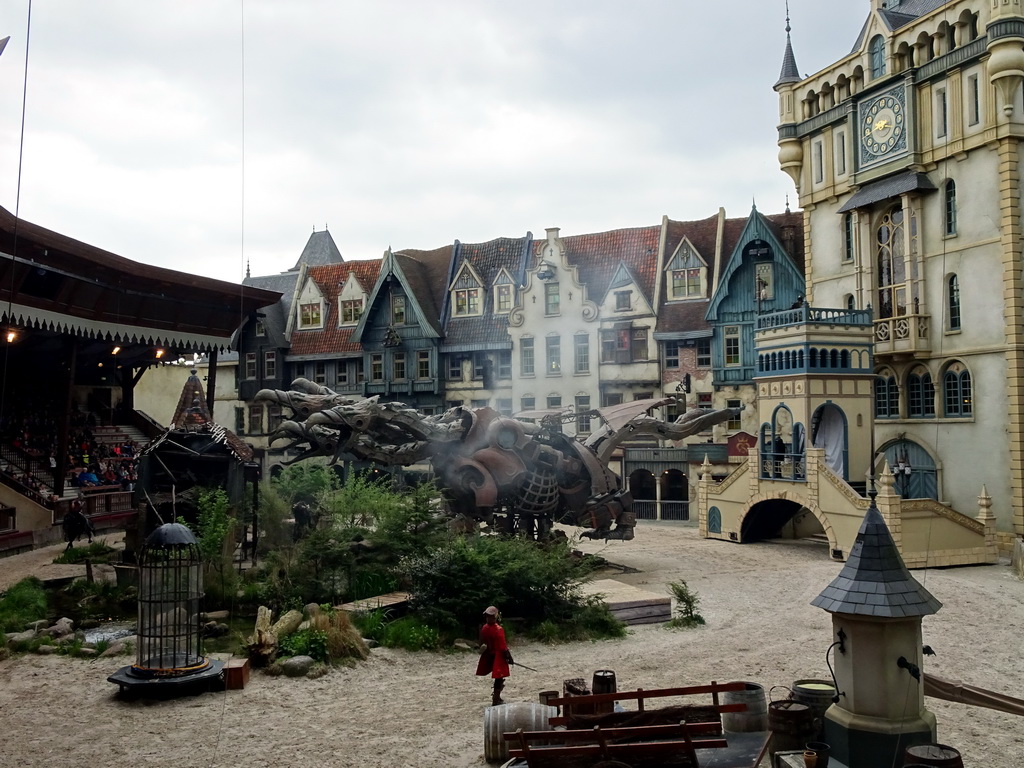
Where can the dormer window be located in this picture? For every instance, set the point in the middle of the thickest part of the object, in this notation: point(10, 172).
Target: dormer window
point(686, 273)
point(502, 299)
point(467, 302)
point(310, 315)
point(351, 311)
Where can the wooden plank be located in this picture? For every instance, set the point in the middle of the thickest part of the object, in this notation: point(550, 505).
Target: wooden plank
point(658, 613)
point(390, 600)
point(624, 732)
point(620, 598)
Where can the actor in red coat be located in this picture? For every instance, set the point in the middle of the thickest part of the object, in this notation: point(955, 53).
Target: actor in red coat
point(494, 654)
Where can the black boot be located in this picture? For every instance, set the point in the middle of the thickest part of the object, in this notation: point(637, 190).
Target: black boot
point(496, 699)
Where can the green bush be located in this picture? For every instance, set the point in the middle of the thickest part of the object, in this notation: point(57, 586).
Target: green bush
point(541, 586)
point(306, 642)
point(411, 634)
point(686, 606)
point(22, 604)
point(372, 624)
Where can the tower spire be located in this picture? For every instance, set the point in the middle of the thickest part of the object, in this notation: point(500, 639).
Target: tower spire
point(790, 72)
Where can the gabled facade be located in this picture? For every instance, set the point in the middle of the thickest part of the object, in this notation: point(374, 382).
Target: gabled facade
point(477, 349)
point(400, 330)
point(905, 154)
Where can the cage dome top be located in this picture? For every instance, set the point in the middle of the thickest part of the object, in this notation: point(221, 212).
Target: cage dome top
point(171, 535)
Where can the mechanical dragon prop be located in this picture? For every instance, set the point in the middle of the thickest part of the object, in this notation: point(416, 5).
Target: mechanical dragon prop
point(512, 475)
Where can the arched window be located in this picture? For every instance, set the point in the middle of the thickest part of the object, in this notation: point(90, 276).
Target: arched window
point(877, 51)
point(892, 265)
point(949, 209)
point(957, 395)
point(851, 303)
point(954, 302)
point(920, 395)
point(887, 397)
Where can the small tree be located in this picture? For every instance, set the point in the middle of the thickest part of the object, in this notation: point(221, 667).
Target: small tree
point(215, 535)
point(686, 606)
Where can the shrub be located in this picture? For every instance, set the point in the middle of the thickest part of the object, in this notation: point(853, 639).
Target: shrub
point(305, 642)
point(97, 552)
point(343, 640)
point(686, 606)
point(22, 604)
point(411, 634)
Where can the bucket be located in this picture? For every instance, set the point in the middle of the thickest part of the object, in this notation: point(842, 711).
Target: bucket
point(755, 718)
point(792, 725)
point(503, 718)
point(818, 695)
point(604, 682)
point(938, 755)
point(821, 751)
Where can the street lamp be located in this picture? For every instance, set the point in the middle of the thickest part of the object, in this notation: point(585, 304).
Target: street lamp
point(903, 470)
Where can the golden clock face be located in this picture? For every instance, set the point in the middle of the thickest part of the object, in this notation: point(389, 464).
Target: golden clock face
point(882, 125)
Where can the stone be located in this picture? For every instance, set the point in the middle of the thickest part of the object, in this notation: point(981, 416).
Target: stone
point(39, 626)
point(463, 645)
point(61, 627)
point(88, 653)
point(311, 609)
point(46, 650)
point(297, 666)
point(215, 616)
point(14, 638)
point(114, 649)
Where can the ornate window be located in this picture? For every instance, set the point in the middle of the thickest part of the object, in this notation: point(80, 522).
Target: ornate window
point(920, 395)
point(526, 356)
point(949, 208)
point(876, 50)
point(892, 264)
point(887, 397)
point(957, 394)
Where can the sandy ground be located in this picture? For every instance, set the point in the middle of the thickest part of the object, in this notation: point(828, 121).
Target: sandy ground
point(400, 709)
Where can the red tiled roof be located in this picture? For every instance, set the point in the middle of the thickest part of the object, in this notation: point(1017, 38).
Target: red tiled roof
point(597, 256)
point(330, 278)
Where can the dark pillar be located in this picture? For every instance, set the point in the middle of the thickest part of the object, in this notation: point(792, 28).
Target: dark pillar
point(211, 383)
point(61, 470)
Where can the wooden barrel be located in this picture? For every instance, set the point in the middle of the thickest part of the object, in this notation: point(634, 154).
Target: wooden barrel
point(792, 725)
point(604, 682)
point(755, 718)
point(818, 695)
point(529, 716)
point(937, 755)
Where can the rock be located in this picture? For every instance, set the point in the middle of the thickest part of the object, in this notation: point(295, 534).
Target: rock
point(297, 666)
point(88, 653)
point(114, 649)
point(46, 650)
point(20, 637)
point(61, 627)
point(311, 609)
point(370, 642)
point(215, 616)
point(287, 624)
point(463, 645)
point(39, 626)
point(215, 629)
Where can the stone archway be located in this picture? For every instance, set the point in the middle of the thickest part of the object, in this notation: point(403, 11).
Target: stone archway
point(784, 516)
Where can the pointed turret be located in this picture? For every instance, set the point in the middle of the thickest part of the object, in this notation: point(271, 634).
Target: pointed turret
point(791, 152)
point(790, 72)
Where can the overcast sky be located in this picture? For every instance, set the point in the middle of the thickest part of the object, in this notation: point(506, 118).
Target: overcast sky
point(201, 135)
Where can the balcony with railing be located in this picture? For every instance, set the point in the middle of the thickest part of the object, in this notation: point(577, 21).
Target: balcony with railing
point(903, 336)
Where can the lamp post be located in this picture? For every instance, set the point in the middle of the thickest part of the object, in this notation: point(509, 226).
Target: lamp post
point(903, 470)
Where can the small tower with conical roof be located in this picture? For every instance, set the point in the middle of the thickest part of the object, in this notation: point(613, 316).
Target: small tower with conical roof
point(791, 152)
point(877, 608)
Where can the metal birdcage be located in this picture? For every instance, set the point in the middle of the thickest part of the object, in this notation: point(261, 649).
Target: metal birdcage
point(170, 594)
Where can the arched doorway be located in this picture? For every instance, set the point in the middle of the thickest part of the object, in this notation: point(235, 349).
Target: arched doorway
point(675, 495)
point(913, 470)
point(644, 489)
point(829, 432)
point(779, 519)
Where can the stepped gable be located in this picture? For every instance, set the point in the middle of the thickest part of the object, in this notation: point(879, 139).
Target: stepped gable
point(489, 330)
point(597, 257)
point(426, 273)
point(333, 340)
point(874, 581)
point(192, 417)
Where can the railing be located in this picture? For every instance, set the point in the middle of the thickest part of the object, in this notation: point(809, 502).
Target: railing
point(784, 466)
point(648, 509)
point(902, 334)
point(820, 315)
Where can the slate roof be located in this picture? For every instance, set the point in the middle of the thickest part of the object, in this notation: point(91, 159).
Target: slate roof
point(883, 189)
point(320, 249)
point(332, 341)
point(426, 273)
point(874, 581)
point(597, 257)
point(790, 71)
point(490, 330)
point(907, 12)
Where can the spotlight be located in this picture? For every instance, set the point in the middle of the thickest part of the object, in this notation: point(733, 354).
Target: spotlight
point(115, 350)
point(11, 336)
point(159, 354)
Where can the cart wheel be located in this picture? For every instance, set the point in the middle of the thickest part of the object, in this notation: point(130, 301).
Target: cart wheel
point(611, 764)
